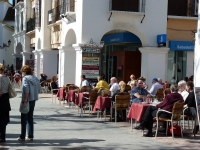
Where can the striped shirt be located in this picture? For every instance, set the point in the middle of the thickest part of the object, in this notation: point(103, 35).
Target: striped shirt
point(4, 84)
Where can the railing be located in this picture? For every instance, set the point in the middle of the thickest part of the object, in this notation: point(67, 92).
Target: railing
point(183, 8)
point(30, 25)
point(54, 14)
point(128, 5)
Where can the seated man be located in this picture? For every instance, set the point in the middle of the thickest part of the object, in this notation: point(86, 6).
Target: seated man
point(167, 104)
point(84, 82)
point(155, 86)
point(138, 94)
point(114, 85)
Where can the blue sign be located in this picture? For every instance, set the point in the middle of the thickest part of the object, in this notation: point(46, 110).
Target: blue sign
point(161, 39)
point(181, 45)
point(120, 37)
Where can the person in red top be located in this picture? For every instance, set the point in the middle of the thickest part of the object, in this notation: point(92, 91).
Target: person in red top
point(167, 104)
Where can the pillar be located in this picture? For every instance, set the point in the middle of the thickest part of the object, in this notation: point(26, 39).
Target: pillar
point(154, 63)
point(36, 64)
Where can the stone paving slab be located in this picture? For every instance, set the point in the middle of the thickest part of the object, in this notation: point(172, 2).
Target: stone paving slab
point(61, 128)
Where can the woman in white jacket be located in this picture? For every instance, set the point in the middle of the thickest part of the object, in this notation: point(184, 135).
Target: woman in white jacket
point(182, 89)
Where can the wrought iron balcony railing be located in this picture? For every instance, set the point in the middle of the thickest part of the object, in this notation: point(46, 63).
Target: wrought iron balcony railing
point(127, 5)
point(30, 25)
point(183, 8)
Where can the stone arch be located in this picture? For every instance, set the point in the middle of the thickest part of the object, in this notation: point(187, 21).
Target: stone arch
point(19, 48)
point(70, 37)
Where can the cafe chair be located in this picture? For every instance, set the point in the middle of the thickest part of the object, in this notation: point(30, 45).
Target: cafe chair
point(189, 119)
point(44, 87)
point(159, 95)
point(122, 102)
point(71, 87)
point(54, 94)
point(175, 116)
point(86, 89)
point(128, 88)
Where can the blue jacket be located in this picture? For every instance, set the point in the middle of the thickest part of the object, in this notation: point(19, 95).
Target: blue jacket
point(31, 85)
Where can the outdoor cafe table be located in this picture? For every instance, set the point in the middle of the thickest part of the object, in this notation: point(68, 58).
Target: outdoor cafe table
point(81, 98)
point(137, 111)
point(71, 96)
point(61, 94)
point(102, 103)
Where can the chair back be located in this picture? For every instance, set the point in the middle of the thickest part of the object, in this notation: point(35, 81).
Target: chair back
point(43, 83)
point(103, 92)
point(93, 96)
point(86, 89)
point(73, 87)
point(122, 101)
point(177, 110)
point(127, 88)
point(160, 95)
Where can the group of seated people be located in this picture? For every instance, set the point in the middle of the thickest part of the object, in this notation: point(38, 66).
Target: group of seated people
point(182, 92)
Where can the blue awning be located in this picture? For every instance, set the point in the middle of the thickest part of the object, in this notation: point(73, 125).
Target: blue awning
point(181, 45)
point(120, 38)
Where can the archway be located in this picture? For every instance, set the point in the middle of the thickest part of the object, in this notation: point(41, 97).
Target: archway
point(70, 38)
point(18, 57)
point(19, 48)
point(120, 55)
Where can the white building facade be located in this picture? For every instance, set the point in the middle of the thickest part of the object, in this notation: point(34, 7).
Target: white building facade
point(6, 31)
point(129, 31)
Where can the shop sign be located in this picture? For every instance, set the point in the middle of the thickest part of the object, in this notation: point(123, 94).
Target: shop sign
point(90, 58)
point(84, 67)
point(181, 45)
point(90, 63)
point(90, 72)
point(91, 76)
point(91, 51)
point(161, 38)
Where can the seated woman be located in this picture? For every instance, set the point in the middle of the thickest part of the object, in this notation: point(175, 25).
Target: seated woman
point(190, 100)
point(182, 90)
point(54, 85)
point(122, 88)
point(102, 84)
point(43, 77)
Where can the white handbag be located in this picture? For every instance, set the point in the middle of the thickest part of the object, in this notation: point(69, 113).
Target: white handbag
point(11, 91)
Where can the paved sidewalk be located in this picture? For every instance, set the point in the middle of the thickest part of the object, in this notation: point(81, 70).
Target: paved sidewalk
point(59, 128)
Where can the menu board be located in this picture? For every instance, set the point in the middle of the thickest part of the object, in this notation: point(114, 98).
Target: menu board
point(90, 63)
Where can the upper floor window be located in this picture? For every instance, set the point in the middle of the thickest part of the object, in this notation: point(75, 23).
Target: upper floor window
point(183, 8)
point(125, 5)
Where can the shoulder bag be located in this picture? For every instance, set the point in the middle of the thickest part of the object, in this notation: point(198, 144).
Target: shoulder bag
point(11, 91)
point(26, 109)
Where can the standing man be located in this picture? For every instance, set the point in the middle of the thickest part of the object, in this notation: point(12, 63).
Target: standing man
point(30, 91)
point(155, 86)
point(114, 86)
point(84, 82)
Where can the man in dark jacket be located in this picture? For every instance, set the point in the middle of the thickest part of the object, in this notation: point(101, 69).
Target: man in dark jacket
point(167, 104)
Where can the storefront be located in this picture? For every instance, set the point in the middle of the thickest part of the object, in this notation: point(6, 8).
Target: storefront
point(120, 55)
point(180, 60)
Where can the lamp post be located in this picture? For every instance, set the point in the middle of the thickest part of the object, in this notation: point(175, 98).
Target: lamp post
point(5, 45)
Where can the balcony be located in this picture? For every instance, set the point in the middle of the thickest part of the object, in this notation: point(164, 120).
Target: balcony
point(183, 8)
point(30, 25)
point(54, 14)
point(127, 5)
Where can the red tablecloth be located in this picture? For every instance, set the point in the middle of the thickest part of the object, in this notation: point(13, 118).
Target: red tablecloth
point(80, 99)
point(71, 95)
point(61, 93)
point(102, 103)
point(137, 111)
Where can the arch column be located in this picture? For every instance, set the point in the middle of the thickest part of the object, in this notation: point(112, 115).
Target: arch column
point(67, 65)
point(37, 64)
point(48, 62)
point(25, 56)
point(154, 63)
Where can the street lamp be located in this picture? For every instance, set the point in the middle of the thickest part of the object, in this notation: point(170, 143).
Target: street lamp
point(5, 45)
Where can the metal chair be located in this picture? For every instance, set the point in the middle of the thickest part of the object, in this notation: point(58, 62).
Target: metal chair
point(176, 116)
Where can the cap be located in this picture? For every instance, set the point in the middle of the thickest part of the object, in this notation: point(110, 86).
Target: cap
point(154, 79)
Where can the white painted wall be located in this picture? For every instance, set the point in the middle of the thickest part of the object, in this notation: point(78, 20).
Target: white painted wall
point(190, 64)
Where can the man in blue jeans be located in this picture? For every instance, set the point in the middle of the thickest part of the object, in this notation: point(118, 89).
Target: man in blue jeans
point(30, 90)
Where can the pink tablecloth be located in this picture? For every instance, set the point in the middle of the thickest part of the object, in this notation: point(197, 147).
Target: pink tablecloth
point(137, 111)
point(71, 95)
point(81, 99)
point(61, 93)
point(102, 103)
